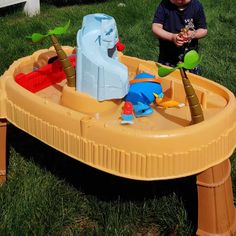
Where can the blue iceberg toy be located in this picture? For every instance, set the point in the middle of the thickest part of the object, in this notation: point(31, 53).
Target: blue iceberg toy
point(98, 71)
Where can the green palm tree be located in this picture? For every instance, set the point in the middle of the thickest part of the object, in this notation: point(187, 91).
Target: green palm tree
point(191, 60)
point(66, 64)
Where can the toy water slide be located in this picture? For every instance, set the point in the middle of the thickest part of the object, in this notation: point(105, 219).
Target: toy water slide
point(100, 74)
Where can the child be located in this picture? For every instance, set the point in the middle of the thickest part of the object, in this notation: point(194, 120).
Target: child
point(178, 24)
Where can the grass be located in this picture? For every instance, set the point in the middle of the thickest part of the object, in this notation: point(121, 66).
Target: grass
point(48, 193)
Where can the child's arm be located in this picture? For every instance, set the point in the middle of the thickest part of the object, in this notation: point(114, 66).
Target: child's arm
point(165, 35)
point(197, 34)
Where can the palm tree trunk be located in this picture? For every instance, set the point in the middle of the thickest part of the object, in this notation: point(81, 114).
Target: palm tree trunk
point(66, 64)
point(194, 105)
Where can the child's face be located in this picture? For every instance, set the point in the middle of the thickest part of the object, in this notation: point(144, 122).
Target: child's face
point(180, 3)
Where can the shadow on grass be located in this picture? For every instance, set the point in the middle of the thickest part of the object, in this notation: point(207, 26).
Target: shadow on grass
point(105, 187)
point(11, 10)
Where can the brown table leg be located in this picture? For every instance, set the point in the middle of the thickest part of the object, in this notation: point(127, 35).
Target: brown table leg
point(216, 211)
point(3, 134)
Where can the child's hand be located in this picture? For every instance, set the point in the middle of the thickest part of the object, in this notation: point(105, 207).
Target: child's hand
point(179, 40)
point(191, 35)
point(187, 35)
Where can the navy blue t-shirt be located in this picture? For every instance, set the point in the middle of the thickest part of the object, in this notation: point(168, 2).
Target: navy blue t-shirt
point(173, 20)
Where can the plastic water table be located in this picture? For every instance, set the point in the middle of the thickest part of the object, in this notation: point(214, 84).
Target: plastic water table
point(162, 146)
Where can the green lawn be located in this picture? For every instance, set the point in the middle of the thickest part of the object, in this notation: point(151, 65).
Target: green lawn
point(48, 193)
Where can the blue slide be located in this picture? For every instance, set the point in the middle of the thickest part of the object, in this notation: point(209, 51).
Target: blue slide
point(98, 70)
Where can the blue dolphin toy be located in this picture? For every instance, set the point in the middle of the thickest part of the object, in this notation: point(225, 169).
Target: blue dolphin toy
point(141, 93)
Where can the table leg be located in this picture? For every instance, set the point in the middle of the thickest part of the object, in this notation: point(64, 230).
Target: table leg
point(3, 134)
point(216, 211)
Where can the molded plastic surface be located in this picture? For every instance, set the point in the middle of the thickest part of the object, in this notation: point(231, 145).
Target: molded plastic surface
point(43, 77)
point(99, 72)
point(216, 211)
point(161, 146)
point(141, 93)
point(3, 132)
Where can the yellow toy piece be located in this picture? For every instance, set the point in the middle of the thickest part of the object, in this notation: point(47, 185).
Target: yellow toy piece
point(166, 102)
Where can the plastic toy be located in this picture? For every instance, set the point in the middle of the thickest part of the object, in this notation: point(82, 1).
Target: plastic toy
point(99, 72)
point(144, 90)
point(120, 46)
point(191, 60)
point(166, 102)
point(65, 62)
point(127, 113)
point(141, 93)
point(164, 145)
point(43, 77)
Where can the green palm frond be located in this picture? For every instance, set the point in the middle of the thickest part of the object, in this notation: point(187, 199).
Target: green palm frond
point(191, 60)
point(37, 37)
point(59, 30)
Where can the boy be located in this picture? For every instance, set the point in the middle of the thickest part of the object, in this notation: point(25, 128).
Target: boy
point(178, 24)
